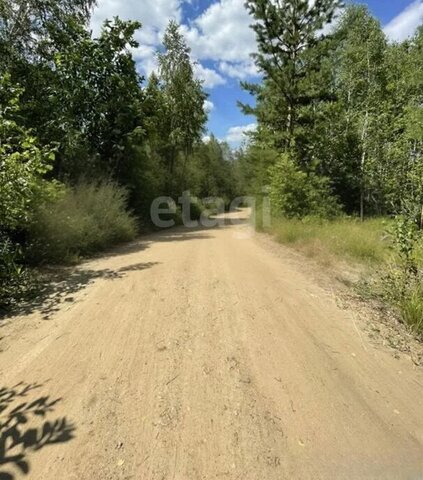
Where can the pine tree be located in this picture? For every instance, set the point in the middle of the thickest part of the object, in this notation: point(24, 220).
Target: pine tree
point(288, 36)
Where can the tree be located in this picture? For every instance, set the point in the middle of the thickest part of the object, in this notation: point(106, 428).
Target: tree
point(86, 98)
point(26, 26)
point(296, 194)
point(97, 100)
point(361, 73)
point(183, 94)
point(288, 42)
point(403, 175)
point(23, 163)
point(216, 169)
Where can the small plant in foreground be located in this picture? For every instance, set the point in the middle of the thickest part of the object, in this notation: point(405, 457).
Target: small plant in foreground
point(402, 285)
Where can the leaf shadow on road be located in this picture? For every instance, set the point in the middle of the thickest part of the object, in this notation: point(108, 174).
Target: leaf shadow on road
point(177, 234)
point(56, 286)
point(174, 234)
point(25, 427)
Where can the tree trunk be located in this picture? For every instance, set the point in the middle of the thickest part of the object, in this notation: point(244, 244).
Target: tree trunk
point(363, 162)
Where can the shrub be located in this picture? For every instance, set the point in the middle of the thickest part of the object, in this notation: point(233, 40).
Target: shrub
point(22, 166)
point(296, 194)
point(15, 280)
point(181, 217)
point(80, 221)
point(197, 209)
point(402, 285)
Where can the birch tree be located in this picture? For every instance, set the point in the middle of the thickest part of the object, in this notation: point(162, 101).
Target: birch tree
point(361, 81)
point(183, 94)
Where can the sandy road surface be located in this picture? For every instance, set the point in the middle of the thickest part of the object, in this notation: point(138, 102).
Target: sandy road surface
point(202, 355)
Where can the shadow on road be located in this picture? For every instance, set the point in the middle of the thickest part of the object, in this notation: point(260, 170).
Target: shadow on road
point(56, 286)
point(174, 234)
point(26, 427)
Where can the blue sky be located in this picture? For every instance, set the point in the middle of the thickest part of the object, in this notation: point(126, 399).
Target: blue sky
point(218, 33)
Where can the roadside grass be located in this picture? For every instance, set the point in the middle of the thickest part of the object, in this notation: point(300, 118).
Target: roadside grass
point(365, 245)
point(411, 308)
point(330, 240)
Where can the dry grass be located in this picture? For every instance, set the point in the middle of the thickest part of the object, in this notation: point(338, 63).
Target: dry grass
point(327, 241)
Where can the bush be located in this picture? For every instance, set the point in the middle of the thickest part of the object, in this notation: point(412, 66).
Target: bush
point(80, 221)
point(296, 194)
point(197, 209)
point(15, 279)
point(402, 284)
point(23, 164)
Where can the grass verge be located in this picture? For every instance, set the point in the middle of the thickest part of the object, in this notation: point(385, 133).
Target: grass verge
point(360, 244)
point(341, 239)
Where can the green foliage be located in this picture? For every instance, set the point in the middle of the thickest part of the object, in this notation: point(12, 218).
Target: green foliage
point(182, 99)
point(412, 307)
point(346, 106)
point(406, 235)
point(290, 52)
point(26, 27)
point(93, 102)
point(402, 283)
point(403, 289)
point(80, 221)
point(16, 281)
point(22, 162)
point(215, 167)
point(294, 193)
point(252, 168)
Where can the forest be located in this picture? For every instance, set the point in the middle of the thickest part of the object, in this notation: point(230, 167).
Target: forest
point(87, 143)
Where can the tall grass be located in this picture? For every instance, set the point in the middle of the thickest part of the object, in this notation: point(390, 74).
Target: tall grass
point(411, 308)
point(83, 219)
point(346, 239)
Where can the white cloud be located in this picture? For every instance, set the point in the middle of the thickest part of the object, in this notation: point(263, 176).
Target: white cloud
point(153, 14)
point(331, 26)
point(146, 58)
point(208, 106)
point(209, 77)
point(406, 23)
point(222, 33)
point(240, 70)
point(237, 135)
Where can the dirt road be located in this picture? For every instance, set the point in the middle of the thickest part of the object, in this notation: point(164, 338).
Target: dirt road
point(202, 354)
